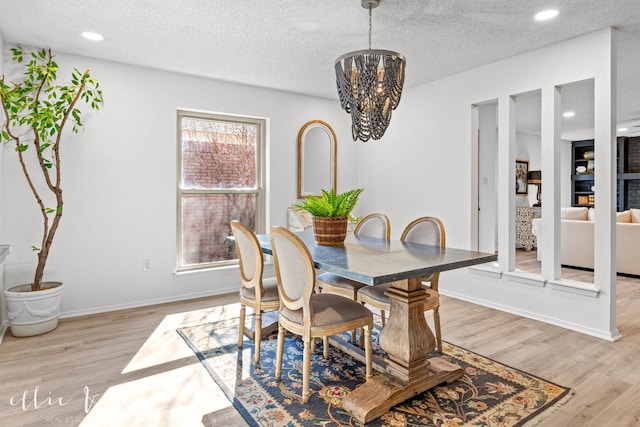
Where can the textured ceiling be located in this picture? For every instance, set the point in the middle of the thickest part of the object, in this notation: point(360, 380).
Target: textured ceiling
point(292, 44)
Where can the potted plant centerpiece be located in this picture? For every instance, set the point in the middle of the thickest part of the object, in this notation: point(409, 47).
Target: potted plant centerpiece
point(35, 112)
point(330, 214)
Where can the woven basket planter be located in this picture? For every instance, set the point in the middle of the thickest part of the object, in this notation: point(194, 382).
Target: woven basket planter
point(330, 231)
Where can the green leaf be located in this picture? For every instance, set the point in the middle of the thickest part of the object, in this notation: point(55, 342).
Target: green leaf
point(35, 248)
point(330, 204)
point(49, 210)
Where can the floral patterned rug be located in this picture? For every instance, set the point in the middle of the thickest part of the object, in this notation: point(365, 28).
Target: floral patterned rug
point(489, 394)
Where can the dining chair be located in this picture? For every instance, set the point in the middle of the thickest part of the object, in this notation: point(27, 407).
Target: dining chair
point(424, 230)
point(307, 313)
point(373, 225)
point(256, 292)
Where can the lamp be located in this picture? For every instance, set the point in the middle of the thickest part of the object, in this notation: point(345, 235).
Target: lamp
point(535, 178)
point(369, 86)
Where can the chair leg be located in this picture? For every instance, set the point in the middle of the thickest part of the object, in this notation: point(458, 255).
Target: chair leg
point(354, 332)
point(382, 314)
point(306, 371)
point(279, 352)
point(361, 330)
point(257, 336)
point(436, 321)
point(325, 347)
point(241, 326)
point(368, 351)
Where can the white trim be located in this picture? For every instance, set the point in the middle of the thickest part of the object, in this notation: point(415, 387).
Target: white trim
point(535, 316)
point(489, 270)
point(575, 287)
point(215, 272)
point(3, 329)
point(204, 272)
point(527, 278)
point(261, 124)
point(5, 250)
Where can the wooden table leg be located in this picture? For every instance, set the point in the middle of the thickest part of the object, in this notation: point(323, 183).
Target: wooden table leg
point(408, 341)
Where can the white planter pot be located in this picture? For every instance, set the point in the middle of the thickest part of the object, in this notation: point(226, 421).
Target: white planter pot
point(33, 312)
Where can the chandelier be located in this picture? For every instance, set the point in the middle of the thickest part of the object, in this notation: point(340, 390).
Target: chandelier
point(369, 86)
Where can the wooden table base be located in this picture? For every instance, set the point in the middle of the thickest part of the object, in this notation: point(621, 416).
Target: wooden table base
point(375, 397)
point(408, 341)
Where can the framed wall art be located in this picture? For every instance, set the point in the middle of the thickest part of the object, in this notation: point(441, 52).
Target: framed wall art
point(522, 169)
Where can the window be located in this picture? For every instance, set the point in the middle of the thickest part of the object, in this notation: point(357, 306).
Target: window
point(220, 178)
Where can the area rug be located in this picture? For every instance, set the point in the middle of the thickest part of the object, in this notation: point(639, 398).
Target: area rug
point(489, 394)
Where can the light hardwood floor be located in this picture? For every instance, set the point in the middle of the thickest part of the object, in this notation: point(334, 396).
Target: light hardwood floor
point(132, 369)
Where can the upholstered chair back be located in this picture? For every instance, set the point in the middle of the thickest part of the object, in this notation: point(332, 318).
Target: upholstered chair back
point(250, 256)
point(426, 230)
point(374, 225)
point(294, 269)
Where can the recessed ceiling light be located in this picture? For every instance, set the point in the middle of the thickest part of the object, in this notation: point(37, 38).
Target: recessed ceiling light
point(622, 129)
point(546, 14)
point(569, 114)
point(92, 36)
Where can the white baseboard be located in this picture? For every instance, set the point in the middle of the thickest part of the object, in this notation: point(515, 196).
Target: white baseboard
point(145, 303)
point(605, 335)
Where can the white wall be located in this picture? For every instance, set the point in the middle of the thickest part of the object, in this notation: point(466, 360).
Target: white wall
point(425, 166)
point(119, 181)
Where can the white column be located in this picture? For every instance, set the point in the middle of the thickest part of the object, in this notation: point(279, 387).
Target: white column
point(506, 183)
point(551, 187)
point(605, 183)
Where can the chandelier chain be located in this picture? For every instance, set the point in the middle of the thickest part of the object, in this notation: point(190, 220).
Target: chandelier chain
point(369, 26)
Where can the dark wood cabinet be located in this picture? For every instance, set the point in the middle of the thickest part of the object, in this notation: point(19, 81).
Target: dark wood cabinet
point(628, 173)
point(583, 167)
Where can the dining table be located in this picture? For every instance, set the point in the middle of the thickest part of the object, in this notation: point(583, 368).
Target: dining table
point(406, 340)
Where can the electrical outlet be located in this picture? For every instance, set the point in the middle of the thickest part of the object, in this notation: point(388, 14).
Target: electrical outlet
point(146, 264)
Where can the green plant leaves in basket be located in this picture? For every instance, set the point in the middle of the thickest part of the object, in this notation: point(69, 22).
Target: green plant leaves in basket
point(331, 204)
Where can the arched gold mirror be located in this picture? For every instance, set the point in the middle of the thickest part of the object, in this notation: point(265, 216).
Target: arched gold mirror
point(317, 158)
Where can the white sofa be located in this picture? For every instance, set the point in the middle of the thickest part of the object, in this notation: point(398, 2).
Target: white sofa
point(577, 238)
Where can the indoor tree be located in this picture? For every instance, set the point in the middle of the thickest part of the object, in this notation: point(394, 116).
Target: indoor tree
point(35, 112)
